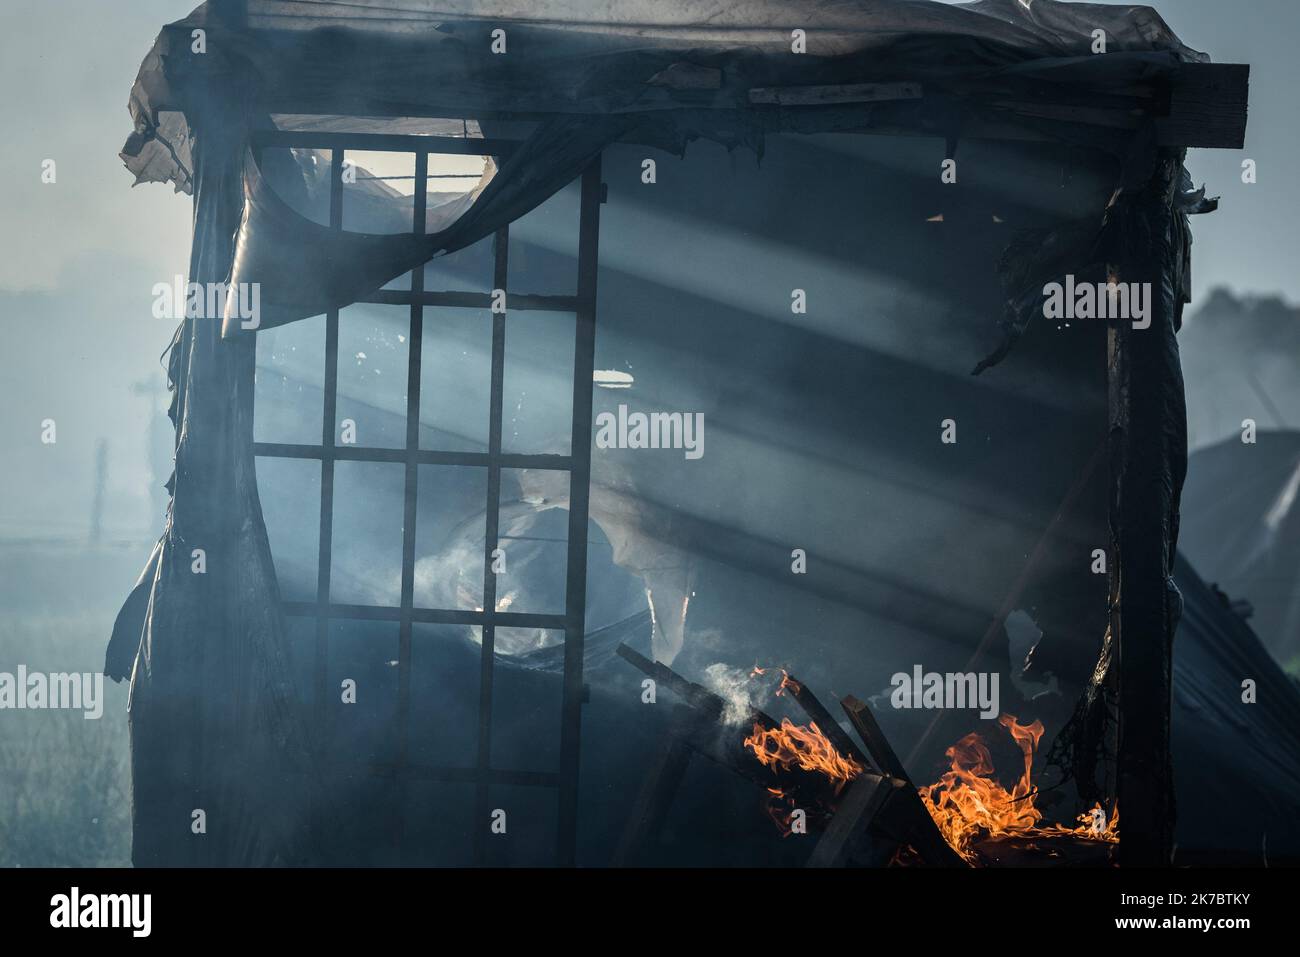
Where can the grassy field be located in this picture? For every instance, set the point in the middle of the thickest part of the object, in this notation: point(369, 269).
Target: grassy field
point(64, 780)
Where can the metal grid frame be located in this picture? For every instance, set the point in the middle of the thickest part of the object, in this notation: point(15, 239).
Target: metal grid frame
point(577, 464)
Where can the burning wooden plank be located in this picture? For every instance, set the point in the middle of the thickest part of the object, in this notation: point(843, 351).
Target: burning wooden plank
point(853, 832)
point(906, 811)
point(898, 811)
point(894, 812)
point(873, 806)
point(823, 720)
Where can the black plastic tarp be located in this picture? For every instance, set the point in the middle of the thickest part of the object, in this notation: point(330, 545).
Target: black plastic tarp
point(1236, 763)
point(1241, 528)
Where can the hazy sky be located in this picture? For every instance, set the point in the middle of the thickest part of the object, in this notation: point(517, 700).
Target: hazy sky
point(1250, 242)
point(77, 261)
point(78, 258)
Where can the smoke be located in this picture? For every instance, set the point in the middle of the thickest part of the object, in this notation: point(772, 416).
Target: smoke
point(733, 685)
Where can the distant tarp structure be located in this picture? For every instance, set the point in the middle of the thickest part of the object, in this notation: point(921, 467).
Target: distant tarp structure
point(1236, 749)
point(202, 638)
point(1242, 530)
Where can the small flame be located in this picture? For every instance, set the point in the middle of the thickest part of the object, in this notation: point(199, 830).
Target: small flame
point(1092, 826)
point(806, 748)
point(788, 683)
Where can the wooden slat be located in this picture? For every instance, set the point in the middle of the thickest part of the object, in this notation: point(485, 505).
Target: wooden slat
point(1207, 107)
point(864, 722)
point(831, 95)
point(853, 819)
point(825, 722)
point(457, 299)
point(357, 453)
point(905, 813)
point(381, 142)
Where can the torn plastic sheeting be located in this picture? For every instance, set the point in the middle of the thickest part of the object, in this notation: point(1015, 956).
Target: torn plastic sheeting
point(304, 268)
point(568, 56)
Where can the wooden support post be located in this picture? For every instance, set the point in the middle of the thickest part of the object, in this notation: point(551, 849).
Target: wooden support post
point(1149, 456)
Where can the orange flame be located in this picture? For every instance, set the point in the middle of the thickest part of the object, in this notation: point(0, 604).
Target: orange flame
point(806, 748)
point(967, 800)
point(968, 803)
point(793, 745)
point(1092, 826)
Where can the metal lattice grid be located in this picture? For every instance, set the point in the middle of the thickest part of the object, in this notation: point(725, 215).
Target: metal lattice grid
point(577, 465)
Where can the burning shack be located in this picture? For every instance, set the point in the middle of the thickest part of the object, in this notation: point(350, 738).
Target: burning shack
point(428, 594)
